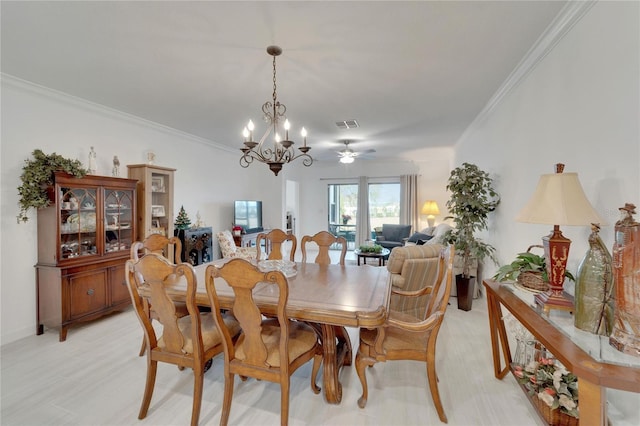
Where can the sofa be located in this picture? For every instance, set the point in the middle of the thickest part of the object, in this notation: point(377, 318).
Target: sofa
point(391, 235)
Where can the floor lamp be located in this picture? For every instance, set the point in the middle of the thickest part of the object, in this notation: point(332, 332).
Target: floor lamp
point(558, 200)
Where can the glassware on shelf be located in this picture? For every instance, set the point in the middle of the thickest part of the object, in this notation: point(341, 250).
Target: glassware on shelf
point(626, 264)
point(594, 288)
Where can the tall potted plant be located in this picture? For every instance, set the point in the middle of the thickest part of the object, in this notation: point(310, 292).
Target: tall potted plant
point(472, 199)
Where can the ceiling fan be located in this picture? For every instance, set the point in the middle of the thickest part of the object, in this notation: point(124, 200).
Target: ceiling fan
point(347, 155)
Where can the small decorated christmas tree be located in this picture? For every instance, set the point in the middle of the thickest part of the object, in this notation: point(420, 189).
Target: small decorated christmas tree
point(182, 221)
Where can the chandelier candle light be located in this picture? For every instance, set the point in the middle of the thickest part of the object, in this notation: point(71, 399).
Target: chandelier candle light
point(281, 151)
point(558, 200)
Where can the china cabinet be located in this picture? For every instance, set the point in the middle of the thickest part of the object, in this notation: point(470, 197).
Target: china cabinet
point(84, 238)
point(154, 199)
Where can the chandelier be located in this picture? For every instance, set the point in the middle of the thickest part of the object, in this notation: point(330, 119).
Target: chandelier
point(281, 151)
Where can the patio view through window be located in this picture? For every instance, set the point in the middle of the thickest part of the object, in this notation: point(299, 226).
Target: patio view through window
point(384, 207)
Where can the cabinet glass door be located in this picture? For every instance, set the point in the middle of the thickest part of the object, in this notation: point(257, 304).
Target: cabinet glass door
point(160, 203)
point(77, 222)
point(118, 220)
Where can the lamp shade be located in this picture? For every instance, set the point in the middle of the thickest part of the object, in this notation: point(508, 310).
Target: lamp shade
point(430, 207)
point(559, 200)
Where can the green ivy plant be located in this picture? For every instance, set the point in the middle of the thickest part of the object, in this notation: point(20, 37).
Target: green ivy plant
point(472, 199)
point(526, 262)
point(371, 249)
point(37, 174)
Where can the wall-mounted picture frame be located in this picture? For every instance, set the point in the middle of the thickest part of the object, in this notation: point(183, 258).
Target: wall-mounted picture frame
point(157, 184)
point(157, 211)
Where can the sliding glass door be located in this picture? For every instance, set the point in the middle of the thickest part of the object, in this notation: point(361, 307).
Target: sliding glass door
point(384, 207)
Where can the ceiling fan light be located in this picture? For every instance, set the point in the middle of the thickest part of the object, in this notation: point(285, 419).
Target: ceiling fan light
point(346, 159)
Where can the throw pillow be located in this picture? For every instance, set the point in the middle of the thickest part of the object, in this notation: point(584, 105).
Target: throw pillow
point(421, 242)
point(418, 236)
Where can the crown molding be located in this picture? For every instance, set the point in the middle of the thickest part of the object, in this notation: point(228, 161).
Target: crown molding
point(570, 14)
point(84, 104)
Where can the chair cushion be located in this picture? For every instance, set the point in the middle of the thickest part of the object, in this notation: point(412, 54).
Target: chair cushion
point(397, 339)
point(301, 339)
point(210, 334)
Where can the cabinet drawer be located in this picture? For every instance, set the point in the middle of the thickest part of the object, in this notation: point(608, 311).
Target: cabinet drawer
point(87, 293)
point(118, 284)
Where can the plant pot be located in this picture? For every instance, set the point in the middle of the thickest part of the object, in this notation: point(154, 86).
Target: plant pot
point(464, 289)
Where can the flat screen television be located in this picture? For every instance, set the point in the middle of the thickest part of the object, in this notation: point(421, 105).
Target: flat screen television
point(248, 214)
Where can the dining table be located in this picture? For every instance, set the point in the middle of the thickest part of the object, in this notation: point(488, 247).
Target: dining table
point(332, 296)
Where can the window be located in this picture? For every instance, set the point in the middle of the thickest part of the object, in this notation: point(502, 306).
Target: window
point(384, 203)
point(384, 206)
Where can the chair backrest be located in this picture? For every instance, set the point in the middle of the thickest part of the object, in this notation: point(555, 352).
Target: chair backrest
point(154, 273)
point(274, 240)
point(227, 244)
point(324, 240)
point(442, 288)
point(242, 276)
point(171, 248)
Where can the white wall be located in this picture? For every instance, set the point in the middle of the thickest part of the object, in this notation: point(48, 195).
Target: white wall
point(579, 106)
point(207, 179)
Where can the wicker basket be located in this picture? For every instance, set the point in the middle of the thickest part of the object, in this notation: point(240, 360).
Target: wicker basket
point(553, 417)
point(533, 280)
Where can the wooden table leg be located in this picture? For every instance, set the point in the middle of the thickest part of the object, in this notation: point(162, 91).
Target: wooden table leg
point(593, 404)
point(498, 337)
point(333, 360)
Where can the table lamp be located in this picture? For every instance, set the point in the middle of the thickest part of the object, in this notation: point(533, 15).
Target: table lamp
point(558, 200)
point(430, 209)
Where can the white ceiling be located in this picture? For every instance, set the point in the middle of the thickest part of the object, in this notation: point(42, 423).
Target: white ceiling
point(413, 74)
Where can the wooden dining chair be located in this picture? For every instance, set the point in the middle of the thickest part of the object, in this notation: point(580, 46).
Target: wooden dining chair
point(171, 248)
point(269, 349)
point(188, 341)
point(324, 240)
point(273, 241)
point(403, 337)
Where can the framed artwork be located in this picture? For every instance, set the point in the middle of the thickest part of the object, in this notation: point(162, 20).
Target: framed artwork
point(157, 211)
point(157, 184)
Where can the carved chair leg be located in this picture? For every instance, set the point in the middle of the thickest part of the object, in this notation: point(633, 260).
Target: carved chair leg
point(284, 403)
point(317, 361)
point(226, 400)
point(198, 379)
point(433, 387)
point(361, 362)
point(152, 368)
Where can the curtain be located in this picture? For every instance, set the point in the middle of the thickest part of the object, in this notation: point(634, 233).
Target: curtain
point(409, 208)
point(363, 228)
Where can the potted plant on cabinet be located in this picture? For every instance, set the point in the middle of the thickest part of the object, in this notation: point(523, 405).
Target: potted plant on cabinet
point(37, 175)
point(472, 199)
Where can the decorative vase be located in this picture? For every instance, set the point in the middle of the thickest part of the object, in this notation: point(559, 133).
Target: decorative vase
point(464, 291)
point(345, 221)
point(626, 267)
point(594, 288)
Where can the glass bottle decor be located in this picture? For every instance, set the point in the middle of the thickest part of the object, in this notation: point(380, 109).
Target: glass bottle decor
point(594, 288)
point(626, 274)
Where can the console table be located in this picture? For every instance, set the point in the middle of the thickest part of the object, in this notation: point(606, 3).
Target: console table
point(590, 357)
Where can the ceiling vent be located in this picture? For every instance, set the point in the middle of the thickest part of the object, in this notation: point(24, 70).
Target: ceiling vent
point(347, 124)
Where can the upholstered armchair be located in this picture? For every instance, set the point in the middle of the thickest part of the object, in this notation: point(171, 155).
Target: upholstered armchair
point(228, 247)
point(393, 235)
point(411, 268)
